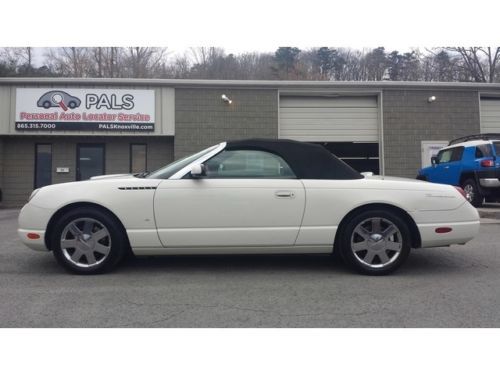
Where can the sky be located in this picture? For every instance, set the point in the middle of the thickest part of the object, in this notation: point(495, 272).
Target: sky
point(257, 25)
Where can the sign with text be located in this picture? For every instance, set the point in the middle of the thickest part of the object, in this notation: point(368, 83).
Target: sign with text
point(85, 109)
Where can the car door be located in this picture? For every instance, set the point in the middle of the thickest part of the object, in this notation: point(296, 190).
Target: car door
point(447, 170)
point(247, 198)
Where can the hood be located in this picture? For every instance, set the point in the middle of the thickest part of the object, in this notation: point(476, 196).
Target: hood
point(112, 176)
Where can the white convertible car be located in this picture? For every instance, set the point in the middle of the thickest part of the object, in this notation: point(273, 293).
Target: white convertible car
point(246, 197)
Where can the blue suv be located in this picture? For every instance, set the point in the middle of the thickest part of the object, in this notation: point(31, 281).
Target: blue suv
point(470, 162)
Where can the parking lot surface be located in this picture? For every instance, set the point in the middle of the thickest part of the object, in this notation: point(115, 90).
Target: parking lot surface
point(457, 286)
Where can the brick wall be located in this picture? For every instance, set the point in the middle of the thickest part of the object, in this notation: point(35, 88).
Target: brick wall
point(203, 119)
point(1, 168)
point(410, 119)
point(19, 160)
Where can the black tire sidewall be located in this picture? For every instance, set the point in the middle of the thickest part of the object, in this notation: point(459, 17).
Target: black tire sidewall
point(478, 197)
point(348, 255)
point(117, 240)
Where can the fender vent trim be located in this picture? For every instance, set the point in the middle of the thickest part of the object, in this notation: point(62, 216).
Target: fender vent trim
point(137, 188)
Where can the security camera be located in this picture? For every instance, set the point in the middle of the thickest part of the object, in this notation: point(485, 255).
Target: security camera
point(226, 99)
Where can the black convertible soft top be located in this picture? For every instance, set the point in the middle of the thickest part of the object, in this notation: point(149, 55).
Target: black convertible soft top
point(307, 160)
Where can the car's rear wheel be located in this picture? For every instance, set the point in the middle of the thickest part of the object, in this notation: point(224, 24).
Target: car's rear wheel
point(88, 241)
point(472, 193)
point(72, 104)
point(46, 104)
point(375, 242)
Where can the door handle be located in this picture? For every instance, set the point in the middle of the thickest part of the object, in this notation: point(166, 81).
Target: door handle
point(284, 194)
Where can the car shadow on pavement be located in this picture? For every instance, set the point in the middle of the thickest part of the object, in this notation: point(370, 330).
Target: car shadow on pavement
point(425, 263)
point(237, 263)
point(420, 262)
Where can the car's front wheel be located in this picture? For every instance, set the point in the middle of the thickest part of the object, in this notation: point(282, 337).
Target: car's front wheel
point(88, 241)
point(375, 242)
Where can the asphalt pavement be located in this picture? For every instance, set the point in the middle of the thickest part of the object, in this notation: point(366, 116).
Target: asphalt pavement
point(458, 286)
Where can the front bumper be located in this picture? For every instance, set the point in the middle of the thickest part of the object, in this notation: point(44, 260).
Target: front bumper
point(33, 220)
point(33, 243)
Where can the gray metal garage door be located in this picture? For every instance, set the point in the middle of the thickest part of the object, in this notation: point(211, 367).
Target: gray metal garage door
point(490, 115)
point(323, 119)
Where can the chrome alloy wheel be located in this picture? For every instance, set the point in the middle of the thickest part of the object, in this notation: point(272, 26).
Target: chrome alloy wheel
point(376, 242)
point(85, 242)
point(469, 192)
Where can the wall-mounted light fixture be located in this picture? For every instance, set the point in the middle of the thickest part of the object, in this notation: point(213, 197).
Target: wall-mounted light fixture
point(431, 99)
point(226, 99)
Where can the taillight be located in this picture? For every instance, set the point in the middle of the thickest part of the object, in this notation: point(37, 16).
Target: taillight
point(487, 163)
point(461, 191)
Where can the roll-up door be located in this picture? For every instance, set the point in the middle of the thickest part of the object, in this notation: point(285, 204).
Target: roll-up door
point(326, 119)
point(490, 115)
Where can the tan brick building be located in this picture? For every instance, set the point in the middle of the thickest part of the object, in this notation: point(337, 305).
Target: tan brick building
point(55, 130)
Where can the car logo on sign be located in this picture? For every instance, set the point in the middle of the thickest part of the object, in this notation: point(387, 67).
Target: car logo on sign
point(60, 99)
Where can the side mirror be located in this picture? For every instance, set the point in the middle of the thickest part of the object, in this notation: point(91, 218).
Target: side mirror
point(198, 171)
point(434, 160)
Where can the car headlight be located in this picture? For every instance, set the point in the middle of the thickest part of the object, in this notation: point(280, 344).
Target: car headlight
point(33, 194)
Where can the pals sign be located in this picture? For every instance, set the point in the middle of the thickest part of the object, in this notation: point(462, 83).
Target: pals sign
point(66, 109)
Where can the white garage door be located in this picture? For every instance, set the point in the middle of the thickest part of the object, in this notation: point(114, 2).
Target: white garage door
point(490, 115)
point(323, 119)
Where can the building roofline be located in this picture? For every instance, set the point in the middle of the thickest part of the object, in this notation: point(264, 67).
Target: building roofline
point(248, 83)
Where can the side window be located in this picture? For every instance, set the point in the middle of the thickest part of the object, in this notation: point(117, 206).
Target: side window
point(247, 164)
point(483, 151)
point(445, 156)
point(457, 154)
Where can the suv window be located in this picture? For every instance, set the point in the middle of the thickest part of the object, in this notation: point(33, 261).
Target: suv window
point(483, 151)
point(450, 154)
point(247, 164)
point(497, 148)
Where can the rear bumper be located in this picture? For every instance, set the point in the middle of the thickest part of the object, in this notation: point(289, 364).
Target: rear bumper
point(489, 182)
point(464, 223)
point(461, 233)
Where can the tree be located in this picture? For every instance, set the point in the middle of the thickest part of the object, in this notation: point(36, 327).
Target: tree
point(286, 59)
point(69, 61)
point(375, 64)
point(479, 63)
point(143, 62)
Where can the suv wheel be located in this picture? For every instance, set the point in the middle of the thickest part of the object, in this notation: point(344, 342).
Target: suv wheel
point(472, 193)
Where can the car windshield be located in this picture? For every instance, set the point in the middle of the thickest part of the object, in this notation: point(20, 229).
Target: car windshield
point(172, 168)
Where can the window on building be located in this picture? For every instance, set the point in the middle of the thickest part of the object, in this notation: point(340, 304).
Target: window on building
point(138, 154)
point(43, 165)
point(247, 164)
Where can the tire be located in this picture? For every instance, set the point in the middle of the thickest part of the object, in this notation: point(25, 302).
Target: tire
point(366, 248)
point(72, 104)
point(46, 104)
point(95, 241)
point(421, 178)
point(472, 193)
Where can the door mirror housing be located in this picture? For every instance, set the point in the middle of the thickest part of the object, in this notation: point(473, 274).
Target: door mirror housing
point(434, 160)
point(198, 171)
